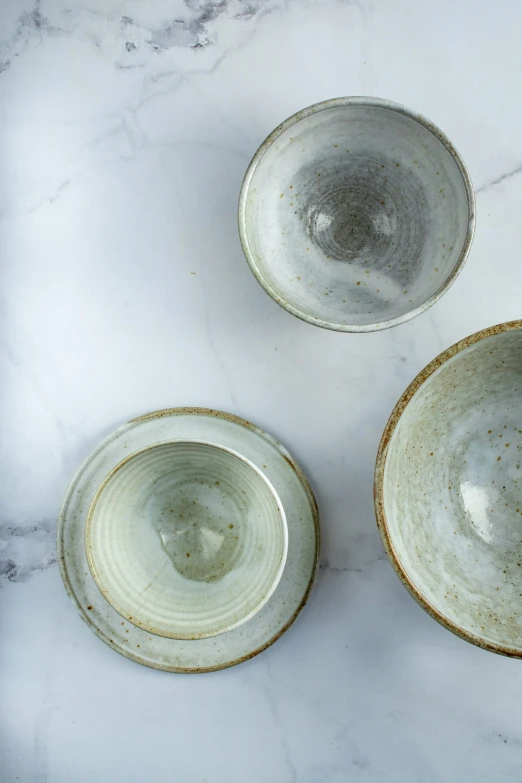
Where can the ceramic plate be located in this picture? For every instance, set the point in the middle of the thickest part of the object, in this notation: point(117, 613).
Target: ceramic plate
point(292, 591)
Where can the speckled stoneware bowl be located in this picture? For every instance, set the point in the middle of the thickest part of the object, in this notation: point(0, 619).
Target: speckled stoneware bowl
point(448, 488)
point(289, 598)
point(356, 214)
point(186, 539)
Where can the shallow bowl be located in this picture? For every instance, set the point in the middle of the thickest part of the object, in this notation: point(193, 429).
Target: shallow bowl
point(186, 539)
point(448, 488)
point(356, 214)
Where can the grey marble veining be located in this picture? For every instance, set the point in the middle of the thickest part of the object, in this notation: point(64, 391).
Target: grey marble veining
point(133, 40)
point(26, 550)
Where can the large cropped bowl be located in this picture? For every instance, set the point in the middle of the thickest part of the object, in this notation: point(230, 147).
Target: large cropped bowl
point(448, 488)
point(356, 214)
point(186, 539)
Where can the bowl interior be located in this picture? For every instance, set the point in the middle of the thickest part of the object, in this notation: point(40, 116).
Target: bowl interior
point(453, 490)
point(355, 215)
point(186, 539)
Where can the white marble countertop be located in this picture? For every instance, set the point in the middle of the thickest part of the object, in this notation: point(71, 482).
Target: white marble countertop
point(125, 129)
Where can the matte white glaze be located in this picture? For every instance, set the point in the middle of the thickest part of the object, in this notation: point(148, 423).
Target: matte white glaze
point(451, 483)
point(186, 539)
point(356, 214)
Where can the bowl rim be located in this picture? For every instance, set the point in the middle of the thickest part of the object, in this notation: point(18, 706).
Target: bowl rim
point(148, 627)
point(381, 103)
point(380, 466)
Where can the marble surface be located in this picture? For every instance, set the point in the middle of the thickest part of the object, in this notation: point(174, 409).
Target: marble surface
point(125, 129)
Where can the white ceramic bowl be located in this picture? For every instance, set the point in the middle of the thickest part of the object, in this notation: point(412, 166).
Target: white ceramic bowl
point(448, 488)
point(356, 214)
point(186, 539)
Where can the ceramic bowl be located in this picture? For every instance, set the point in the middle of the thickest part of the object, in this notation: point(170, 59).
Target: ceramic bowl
point(356, 214)
point(186, 539)
point(302, 562)
point(448, 488)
